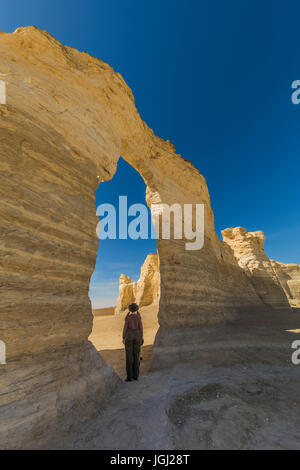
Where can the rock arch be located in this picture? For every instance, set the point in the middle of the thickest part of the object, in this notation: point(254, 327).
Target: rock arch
point(67, 118)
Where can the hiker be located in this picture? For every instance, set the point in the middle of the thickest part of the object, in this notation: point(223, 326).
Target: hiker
point(133, 340)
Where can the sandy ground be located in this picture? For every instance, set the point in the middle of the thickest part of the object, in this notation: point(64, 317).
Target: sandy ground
point(100, 312)
point(107, 338)
point(242, 394)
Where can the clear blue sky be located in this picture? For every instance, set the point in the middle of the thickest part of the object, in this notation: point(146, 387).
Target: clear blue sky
point(119, 256)
point(215, 78)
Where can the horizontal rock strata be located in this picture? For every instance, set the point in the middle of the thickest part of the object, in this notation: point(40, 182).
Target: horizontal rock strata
point(68, 117)
point(289, 278)
point(248, 250)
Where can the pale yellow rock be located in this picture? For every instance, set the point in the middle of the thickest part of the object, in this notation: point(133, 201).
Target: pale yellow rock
point(248, 249)
point(126, 294)
point(147, 288)
point(68, 119)
point(145, 291)
point(289, 278)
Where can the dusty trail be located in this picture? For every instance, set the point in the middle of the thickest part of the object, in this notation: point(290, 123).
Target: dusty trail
point(247, 398)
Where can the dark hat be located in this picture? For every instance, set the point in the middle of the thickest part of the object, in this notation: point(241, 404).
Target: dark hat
point(133, 307)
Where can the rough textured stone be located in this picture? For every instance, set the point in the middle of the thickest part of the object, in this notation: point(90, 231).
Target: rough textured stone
point(68, 118)
point(248, 249)
point(147, 288)
point(289, 278)
point(145, 291)
point(126, 295)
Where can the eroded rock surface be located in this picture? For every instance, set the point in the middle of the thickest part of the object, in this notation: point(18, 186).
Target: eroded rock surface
point(68, 118)
point(126, 295)
point(242, 393)
point(276, 284)
point(289, 278)
point(145, 291)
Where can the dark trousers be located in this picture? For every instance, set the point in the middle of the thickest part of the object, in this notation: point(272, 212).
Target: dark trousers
point(132, 348)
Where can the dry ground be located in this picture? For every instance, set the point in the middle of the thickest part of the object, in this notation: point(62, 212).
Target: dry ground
point(100, 312)
point(242, 394)
point(107, 337)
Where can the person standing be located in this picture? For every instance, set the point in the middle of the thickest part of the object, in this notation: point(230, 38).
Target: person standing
point(133, 340)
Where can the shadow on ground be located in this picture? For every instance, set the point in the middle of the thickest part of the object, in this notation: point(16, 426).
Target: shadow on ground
point(116, 358)
point(240, 392)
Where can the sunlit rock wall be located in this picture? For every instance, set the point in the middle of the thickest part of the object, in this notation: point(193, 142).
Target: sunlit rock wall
point(145, 291)
point(289, 278)
point(68, 119)
point(248, 249)
point(125, 295)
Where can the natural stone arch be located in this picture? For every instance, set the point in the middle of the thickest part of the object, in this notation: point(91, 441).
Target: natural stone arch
point(68, 118)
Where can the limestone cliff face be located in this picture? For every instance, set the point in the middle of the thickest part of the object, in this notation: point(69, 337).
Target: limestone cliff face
point(147, 288)
point(248, 249)
point(126, 295)
point(289, 278)
point(68, 118)
point(145, 291)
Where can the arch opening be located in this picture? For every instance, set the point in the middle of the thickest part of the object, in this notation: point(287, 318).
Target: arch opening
point(126, 270)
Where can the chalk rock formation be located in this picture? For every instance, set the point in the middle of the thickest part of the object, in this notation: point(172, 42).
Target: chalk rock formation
point(289, 278)
point(68, 118)
point(145, 291)
point(248, 249)
point(147, 288)
point(126, 295)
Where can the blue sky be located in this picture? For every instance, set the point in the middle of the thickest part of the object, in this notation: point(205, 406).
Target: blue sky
point(119, 256)
point(215, 78)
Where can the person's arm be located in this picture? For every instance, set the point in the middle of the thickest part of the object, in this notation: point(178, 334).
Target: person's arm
point(141, 329)
point(125, 328)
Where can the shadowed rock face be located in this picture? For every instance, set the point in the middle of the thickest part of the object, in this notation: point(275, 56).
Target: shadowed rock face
point(68, 118)
point(289, 277)
point(145, 291)
point(265, 275)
